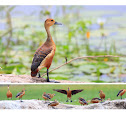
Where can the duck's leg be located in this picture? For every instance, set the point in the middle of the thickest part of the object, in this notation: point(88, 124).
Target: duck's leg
point(48, 75)
point(39, 74)
point(101, 101)
point(70, 100)
point(67, 100)
point(53, 81)
point(21, 100)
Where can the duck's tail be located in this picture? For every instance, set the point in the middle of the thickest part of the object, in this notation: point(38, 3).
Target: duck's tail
point(117, 94)
point(34, 73)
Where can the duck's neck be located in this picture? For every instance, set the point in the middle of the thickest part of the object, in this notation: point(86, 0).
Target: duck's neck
point(49, 37)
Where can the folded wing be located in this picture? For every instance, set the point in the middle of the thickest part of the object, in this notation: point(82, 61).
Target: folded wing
point(47, 96)
point(39, 56)
point(18, 94)
point(119, 92)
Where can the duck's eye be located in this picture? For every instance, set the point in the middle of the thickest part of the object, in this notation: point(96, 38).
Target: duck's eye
point(51, 20)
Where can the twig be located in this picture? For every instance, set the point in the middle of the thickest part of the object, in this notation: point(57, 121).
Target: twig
point(4, 34)
point(83, 57)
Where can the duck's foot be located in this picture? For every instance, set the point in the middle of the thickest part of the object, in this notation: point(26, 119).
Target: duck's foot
point(45, 102)
point(39, 76)
point(53, 81)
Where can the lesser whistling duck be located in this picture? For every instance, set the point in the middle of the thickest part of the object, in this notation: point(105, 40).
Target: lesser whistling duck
point(68, 92)
point(9, 94)
point(109, 99)
point(121, 92)
point(95, 100)
point(102, 94)
point(55, 103)
point(82, 101)
point(20, 94)
point(46, 96)
point(44, 54)
point(51, 95)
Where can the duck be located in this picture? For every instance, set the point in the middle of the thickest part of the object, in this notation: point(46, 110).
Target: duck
point(102, 95)
point(44, 54)
point(121, 92)
point(20, 94)
point(95, 100)
point(54, 103)
point(9, 94)
point(109, 99)
point(51, 95)
point(82, 101)
point(46, 96)
point(68, 92)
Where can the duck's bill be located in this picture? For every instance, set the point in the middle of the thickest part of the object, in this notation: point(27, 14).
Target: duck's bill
point(56, 23)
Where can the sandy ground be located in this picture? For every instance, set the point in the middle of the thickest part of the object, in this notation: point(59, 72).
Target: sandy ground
point(40, 104)
point(10, 78)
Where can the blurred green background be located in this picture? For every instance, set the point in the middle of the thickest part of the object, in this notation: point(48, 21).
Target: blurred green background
point(36, 91)
point(86, 31)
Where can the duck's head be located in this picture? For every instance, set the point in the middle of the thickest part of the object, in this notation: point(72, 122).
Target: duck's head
point(109, 99)
point(88, 101)
point(100, 91)
point(24, 89)
point(80, 98)
point(68, 88)
point(49, 22)
point(55, 100)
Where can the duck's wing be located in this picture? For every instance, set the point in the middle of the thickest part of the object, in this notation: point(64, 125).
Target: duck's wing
point(96, 99)
point(40, 55)
point(119, 92)
point(76, 91)
point(18, 94)
point(52, 103)
point(84, 101)
point(46, 95)
point(60, 90)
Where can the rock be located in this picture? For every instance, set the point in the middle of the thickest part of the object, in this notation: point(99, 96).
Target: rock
point(10, 78)
point(115, 104)
point(32, 104)
point(40, 104)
